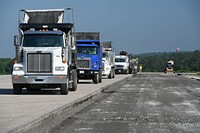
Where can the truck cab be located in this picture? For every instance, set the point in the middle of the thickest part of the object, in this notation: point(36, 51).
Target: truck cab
point(122, 64)
point(45, 54)
point(89, 57)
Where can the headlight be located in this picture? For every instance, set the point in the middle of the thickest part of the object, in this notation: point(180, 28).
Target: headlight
point(95, 64)
point(60, 68)
point(18, 68)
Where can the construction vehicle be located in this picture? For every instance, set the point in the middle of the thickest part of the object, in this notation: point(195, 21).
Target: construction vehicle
point(134, 66)
point(122, 63)
point(45, 52)
point(169, 68)
point(89, 60)
point(108, 60)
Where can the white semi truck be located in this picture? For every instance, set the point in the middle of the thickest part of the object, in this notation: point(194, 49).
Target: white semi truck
point(122, 63)
point(45, 52)
point(108, 60)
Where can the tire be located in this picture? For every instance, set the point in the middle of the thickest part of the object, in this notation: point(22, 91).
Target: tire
point(17, 89)
point(134, 73)
point(64, 89)
point(113, 70)
point(110, 75)
point(127, 71)
point(75, 79)
point(130, 71)
point(96, 78)
point(100, 75)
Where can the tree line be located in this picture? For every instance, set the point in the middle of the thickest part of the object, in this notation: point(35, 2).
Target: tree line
point(151, 62)
point(184, 61)
point(6, 65)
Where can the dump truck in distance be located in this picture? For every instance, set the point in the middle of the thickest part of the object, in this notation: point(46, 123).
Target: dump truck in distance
point(89, 52)
point(122, 63)
point(108, 60)
point(45, 52)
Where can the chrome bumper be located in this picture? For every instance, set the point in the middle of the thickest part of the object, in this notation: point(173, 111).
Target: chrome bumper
point(39, 79)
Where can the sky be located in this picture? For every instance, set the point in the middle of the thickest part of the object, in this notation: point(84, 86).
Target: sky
point(137, 26)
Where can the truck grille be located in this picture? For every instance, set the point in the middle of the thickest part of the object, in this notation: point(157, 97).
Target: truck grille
point(39, 63)
point(83, 63)
point(119, 66)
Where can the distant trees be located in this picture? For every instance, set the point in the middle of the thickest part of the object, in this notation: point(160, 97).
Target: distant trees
point(184, 61)
point(5, 65)
point(151, 62)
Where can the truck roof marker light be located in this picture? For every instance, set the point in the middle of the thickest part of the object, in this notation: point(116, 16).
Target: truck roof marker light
point(55, 29)
point(15, 61)
point(64, 61)
point(16, 77)
point(32, 29)
point(61, 77)
point(45, 26)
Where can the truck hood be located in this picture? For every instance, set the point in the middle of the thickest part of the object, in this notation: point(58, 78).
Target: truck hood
point(56, 51)
point(41, 49)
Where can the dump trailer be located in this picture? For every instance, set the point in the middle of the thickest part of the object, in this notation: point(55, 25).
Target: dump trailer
point(45, 52)
point(89, 60)
point(108, 60)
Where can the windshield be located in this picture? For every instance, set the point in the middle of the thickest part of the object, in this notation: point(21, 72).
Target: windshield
point(43, 40)
point(87, 50)
point(120, 60)
point(104, 55)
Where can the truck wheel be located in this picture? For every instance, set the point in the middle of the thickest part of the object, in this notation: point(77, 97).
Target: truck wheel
point(17, 89)
point(126, 71)
point(113, 70)
point(74, 84)
point(130, 71)
point(110, 75)
point(64, 89)
point(96, 78)
point(100, 76)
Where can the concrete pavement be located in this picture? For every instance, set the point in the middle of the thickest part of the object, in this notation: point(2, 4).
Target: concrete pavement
point(30, 111)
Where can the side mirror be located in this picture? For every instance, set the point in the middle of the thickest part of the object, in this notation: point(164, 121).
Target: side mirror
point(16, 40)
point(73, 40)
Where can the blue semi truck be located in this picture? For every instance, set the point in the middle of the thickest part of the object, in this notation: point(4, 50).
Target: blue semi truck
point(89, 56)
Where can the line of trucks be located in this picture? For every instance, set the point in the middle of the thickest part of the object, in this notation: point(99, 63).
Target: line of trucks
point(50, 54)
